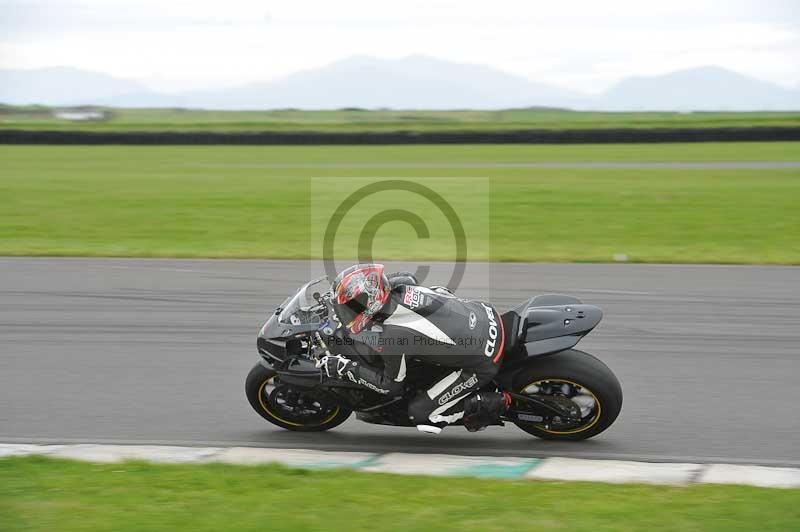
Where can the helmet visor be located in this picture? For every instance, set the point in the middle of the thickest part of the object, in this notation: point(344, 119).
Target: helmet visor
point(350, 311)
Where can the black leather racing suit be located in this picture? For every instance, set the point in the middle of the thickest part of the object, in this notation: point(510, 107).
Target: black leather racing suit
point(437, 327)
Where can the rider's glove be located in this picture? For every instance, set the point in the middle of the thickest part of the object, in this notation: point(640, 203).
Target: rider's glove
point(334, 365)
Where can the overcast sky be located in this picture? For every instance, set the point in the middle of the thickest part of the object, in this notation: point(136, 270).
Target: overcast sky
point(584, 45)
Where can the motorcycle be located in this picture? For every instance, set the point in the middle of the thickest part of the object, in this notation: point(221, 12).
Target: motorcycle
point(558, 392)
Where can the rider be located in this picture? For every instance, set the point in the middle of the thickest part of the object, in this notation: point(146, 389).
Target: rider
point(401, 320)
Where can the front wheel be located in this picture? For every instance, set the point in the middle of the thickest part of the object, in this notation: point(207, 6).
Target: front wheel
point(578, 378)
point(291, 408)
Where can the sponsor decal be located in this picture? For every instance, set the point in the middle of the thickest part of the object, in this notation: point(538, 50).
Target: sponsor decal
point(457, 389)
point(364, 383)
point(473, 320)
point(372, 387)
point(491, 341)
point(413, 298)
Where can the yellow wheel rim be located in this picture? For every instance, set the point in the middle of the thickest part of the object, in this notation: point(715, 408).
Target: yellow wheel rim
point(275, 416)
point(586, 390)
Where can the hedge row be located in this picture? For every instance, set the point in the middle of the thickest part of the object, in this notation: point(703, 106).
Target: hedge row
point(576, 136)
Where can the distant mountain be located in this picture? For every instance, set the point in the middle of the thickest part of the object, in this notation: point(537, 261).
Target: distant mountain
point(706, 88)
point(64, 86)
point(414, 82)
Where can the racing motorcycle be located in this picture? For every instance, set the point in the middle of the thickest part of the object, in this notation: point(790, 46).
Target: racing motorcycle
point(558, 392)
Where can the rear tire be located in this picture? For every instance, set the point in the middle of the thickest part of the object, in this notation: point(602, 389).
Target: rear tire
point(255, 388)
point(585, 371)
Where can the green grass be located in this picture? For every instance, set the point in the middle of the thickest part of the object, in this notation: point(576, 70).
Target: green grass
point(42, 494)
point(35, 117)
point(256, 202)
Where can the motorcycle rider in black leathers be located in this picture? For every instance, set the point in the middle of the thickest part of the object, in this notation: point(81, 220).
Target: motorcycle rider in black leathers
point(399, 320)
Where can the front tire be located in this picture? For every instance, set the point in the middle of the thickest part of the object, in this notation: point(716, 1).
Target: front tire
point(272, 406)
point(572, 375)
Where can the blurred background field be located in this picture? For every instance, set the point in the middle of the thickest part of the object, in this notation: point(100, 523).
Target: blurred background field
point(44, 494)
point(106, 119)
point(150, 201)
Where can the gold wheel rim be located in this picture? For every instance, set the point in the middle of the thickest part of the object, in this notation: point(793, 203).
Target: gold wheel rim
point(587, 391)
point(292, 423)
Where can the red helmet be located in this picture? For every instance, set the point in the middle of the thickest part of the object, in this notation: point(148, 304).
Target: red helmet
point(359, 292)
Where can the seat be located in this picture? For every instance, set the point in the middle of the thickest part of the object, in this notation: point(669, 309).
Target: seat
point(512, 335)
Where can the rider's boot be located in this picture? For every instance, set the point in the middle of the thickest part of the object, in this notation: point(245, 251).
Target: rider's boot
point(484, 409)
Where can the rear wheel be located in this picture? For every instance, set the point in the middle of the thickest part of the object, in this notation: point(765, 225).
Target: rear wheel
point(571, 377)
point(289, 407)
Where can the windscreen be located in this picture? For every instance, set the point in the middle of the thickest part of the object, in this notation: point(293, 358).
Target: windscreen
point(302, 308)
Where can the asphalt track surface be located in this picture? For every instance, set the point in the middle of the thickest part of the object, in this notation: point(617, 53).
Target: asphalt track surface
point(156, 351)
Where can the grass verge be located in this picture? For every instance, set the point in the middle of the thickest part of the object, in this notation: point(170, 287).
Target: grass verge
point(254, 202)
point(37, 493)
